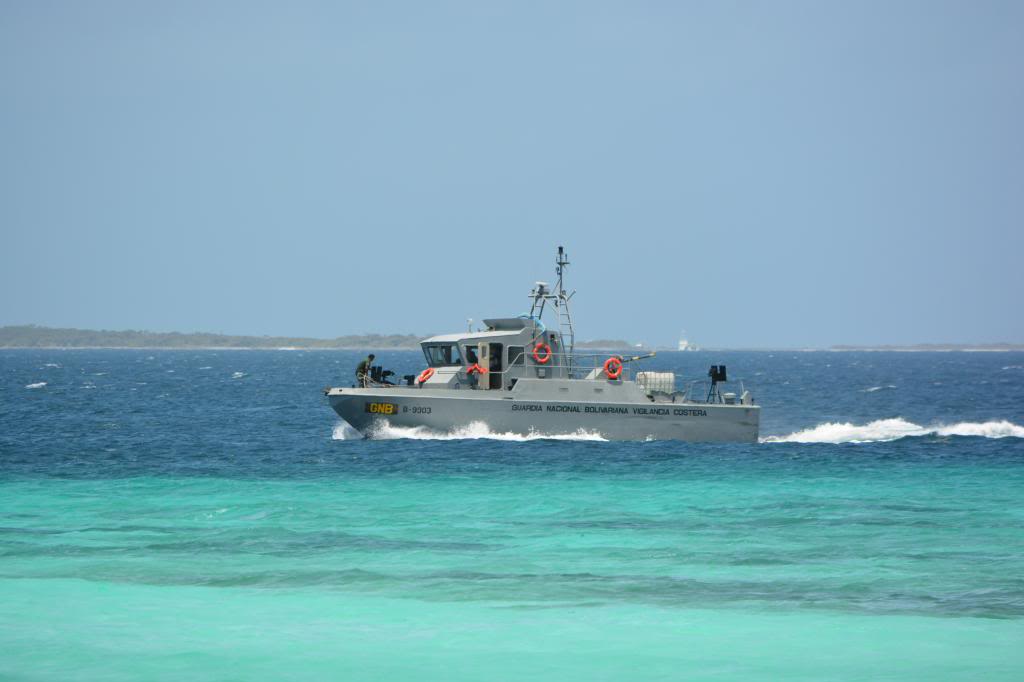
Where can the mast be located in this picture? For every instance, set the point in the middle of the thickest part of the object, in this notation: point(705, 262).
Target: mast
point(561, 303)
point(559, 299)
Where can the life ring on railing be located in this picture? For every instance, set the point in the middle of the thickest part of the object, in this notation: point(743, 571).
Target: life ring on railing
point(537, 357)
point(425, 374)
point(613, 368)
point(475, 368)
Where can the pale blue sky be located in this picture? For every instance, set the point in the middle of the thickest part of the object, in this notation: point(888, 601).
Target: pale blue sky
point(760, 173)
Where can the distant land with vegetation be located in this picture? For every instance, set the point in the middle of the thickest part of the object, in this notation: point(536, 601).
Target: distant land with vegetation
point(604, 344)
point(32, 336)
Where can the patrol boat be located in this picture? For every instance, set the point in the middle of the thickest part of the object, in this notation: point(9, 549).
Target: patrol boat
point(519, 376)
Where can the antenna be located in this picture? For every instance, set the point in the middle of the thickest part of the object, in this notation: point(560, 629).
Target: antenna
point(560, 264)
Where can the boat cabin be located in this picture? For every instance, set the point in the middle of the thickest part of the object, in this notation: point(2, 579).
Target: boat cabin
point(506, 350)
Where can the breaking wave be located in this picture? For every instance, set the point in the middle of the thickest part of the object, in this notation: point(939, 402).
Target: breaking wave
point(38, 384)
point(474, 430)
point(884, 430)
point(238, 375)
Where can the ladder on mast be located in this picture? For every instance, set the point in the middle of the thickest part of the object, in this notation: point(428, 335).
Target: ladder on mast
point(561, 303)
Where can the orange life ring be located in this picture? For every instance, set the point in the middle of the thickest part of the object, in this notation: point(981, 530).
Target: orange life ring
point(475, 367)
point(425, 374)
point(540, 360)
point(613, 367)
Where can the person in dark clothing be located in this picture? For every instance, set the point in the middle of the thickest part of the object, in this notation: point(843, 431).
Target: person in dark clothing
point(363, 370)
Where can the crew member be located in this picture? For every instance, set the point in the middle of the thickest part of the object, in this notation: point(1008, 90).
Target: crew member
point(363, 371)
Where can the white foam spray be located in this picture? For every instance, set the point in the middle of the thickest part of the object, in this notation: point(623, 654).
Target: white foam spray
point(884, 430)
point(38, 384)
point(345, 431)
point(474, 430)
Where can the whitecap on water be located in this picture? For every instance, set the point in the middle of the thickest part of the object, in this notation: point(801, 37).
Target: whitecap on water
point(38, 384)
point(238, 375)
point(884, 430)
point(887, 387)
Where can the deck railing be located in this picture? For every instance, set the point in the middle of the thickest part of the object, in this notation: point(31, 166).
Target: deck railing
point(581, 366)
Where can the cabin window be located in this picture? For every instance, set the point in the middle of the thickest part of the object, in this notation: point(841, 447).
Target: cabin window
point(444, 355)
point(515, 355)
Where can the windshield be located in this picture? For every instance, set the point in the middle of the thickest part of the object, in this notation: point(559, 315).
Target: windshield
point(444, 355)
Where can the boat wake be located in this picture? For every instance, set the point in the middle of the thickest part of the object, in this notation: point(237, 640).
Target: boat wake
point(474, 430)
point(879, 431)
point(884, 430)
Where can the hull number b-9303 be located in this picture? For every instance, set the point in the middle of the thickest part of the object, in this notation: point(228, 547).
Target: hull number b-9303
point(381, 408)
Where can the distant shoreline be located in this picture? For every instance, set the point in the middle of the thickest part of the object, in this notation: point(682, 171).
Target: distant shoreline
point(27, 337)
point(207, 348)
point(1010, 349)
point(33, 336)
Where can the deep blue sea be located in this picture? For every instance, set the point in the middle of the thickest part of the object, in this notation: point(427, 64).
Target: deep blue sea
point(180, 515)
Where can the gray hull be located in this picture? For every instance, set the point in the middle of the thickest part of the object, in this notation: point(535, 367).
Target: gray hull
point(447, 411)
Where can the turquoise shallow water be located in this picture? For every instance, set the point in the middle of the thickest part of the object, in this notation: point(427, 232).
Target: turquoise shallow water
point(209, 524)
